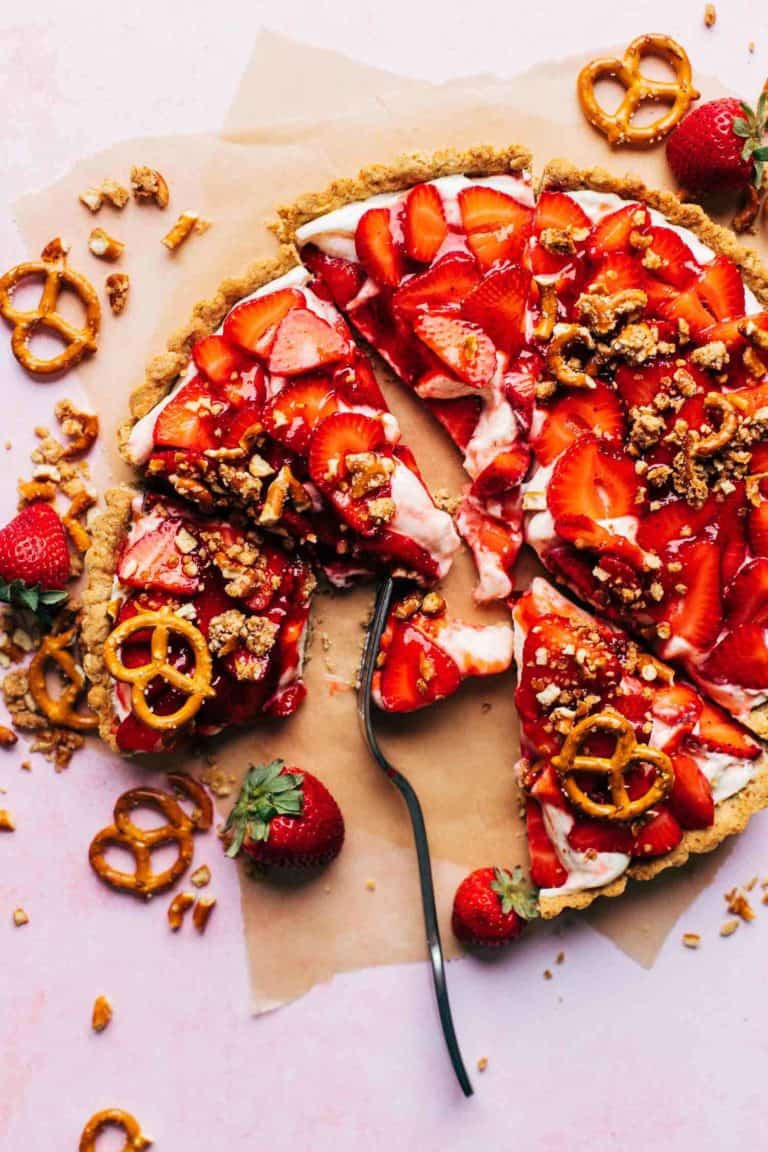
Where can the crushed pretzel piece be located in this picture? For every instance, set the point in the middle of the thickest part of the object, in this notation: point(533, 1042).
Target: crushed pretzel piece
point(6, 821)
point(117, 194)
point(739, 905)
point(482, 1064)
point(104, 246)
point(178, 908)
point(147, 184)
point(54, 251)
point(32, 490)
point(92, 198)
point(80, 426)
point(118, 285)
point(101, 1014)
point(7, 737)
point(20, 917)
point(710, 15)
point(729, 927)
point(201, 877)
point(691, 939)
point(181, 231)
point(202, 913)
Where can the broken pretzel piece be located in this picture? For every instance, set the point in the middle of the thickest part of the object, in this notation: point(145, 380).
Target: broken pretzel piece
point(148, 184)
point(118, 285)
point(187, 223)
point(178, 908)
point(104, 246)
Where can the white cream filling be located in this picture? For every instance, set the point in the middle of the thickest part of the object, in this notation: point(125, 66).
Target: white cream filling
point(584, 871)
point(418, 518)
point(493, 581)
point(478, 651)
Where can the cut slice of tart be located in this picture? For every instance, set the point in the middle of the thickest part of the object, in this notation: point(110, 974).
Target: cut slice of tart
point(434, 277)
point(192, 624)
point(279, 416)
point(650, 436)
point(425, 654)
point(626, 770)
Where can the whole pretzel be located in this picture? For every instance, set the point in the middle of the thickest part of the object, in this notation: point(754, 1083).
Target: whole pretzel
point(558, 356)
point(135, 1140)
point(196, 687)
point(62, 710)
point(710, 445)
point(617, 126)
point(78, 340)
point(140, 842)
point(626, 753)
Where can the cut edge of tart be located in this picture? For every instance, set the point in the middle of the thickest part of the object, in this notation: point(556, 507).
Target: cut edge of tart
point(731, 815)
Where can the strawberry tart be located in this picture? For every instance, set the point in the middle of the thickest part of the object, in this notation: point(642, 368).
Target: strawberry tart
point(598, 353)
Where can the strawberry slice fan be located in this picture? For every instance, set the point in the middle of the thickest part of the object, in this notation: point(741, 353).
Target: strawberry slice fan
point(598, 354)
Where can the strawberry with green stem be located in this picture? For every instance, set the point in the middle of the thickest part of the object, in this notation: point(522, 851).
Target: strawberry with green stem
point(492, 907)
point(34, 561)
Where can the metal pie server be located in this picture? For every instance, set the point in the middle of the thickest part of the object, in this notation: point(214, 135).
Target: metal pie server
point(378, 623)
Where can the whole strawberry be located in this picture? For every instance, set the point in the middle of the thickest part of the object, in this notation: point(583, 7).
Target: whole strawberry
point(286, 818)
point(34, 559)
point(718, 147)
point(492, 907)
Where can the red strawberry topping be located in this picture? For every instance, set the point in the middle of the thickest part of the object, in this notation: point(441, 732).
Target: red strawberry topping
point(218, 360)
point(342, 278)
point(304, 342)
point(546, 869)
point(690, 800)
point(660, 835)
point(463, 347)
point(376, 249)
point(577, 414)
point(292, 415)
point(154, 561)
point(718, 732)
point(496, 224)
point(498, 305)
point(612, 233)
point(415, 672)
point(424, 226)
point(447, 282)
point(459, 417)
point(250, 325)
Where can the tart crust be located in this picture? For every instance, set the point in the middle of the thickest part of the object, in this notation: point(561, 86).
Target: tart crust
point(101, 564)
point(731, 817)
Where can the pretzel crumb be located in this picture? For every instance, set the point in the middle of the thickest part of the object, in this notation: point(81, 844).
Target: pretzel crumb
point(54, 251)
point(729, 927)
point(117, 194)
point(26, 765)
point(101, 1015)
point(20, 917)
point(370, 885)
point(710, 15)
point(691, 939)
point(202, 913)
point(178, 908)
point(181, 231)
point(482, 1064)
point(739, 905)
point(547, 974)
point(6, 821)
point(201, 876)
point(118, 285)
point(92, 198)
point(751, 47)
point(148, 184)
point(104, 246)
point(560, 958)
point(7, 737)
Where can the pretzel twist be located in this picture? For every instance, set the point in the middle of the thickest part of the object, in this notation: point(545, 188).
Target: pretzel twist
point(135, 1140)
point(679, 94)
point(720, 438)
point(196, 687)
point(569, 762)
point(566, 337)
point(61, 711)
point(78, 341)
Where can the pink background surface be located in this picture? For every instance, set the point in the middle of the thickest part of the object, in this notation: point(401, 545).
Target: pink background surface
point(605, 1055)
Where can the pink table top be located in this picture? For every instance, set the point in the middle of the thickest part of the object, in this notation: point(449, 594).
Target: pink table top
point(606, 1053)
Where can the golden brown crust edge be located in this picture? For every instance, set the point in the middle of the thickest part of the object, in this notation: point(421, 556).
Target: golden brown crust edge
point(731, 817)
point(561, 174)
point(164, 369)
point(413, 168)
point(100, 564)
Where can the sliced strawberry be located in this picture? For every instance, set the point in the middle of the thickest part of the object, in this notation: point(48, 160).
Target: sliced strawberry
point(546, 788)
point(292, 415)
point(677, 706)
point(356, 384)
point(757, 521)
point(338, 436)
point(593, 480)
point(376, 248)
point(546, 869)
point(154, 561)
point(415, 673)
point(498, 305)
point(690, 800)
point(448, 281)
point(696, 614)
point(459, 417)
point(424, 226)
point(612, 232)
point(677, 266)
point(134, 736)
point(747, 598)
point(342, 278)
point(741, 657)
point(218, 360)
point(494, 544)
point(250, 325)
point(497, 225)
point(659, 295)
point(639, 386)
point(304, 342)
point(188, 420)
point(559, 211)
point(732, 534)
point(599, 836)
point(616, 272)
point(660, 835)
point(718, 732)
point(577, 414)
point(404, 551)
point(462, 346)
point(674, 521)
point(504, 473)
point(687, 306)
point(721, 288)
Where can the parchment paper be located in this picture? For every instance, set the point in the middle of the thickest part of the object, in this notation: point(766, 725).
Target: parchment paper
point(290, 131)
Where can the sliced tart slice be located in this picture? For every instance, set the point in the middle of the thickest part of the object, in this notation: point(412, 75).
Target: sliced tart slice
point(192, 624)
point(425, 654)
point(626, 770)
point(279, 415)
point(435, 278)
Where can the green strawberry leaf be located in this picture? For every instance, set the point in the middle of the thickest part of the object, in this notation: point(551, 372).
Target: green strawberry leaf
point(748, 112)
point(762, 105)
point(33, 598)
point(516, 893)
point(761, 153)
point(267, 792)
point(742, 128)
